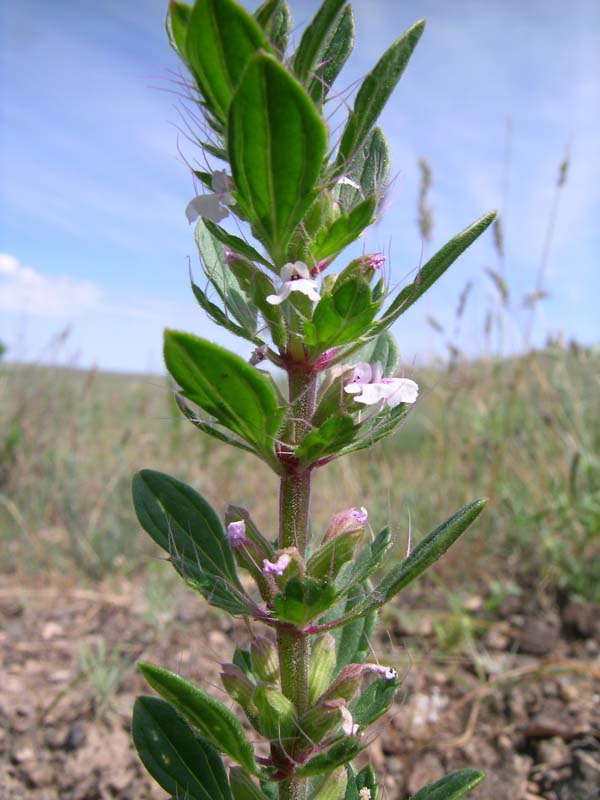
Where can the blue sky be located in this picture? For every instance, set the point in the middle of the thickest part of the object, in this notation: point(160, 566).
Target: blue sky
point(93, 234)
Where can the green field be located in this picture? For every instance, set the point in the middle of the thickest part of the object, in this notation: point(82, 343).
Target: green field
point(523, 432)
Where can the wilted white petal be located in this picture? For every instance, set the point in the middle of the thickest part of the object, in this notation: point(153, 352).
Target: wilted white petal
point(376, 372)
point(372, 393)
point(307, 286)
point(282, 294)
point(346, 181)
point(403, 390)
point(206, 205)
point(348, 726)
point(221, 182)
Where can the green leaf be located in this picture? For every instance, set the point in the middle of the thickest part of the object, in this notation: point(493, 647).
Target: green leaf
point(275, 18)
point(331, 787)
point(174, 514)
point(275, 715)
point(315, 38)
point(239, 396)
point(432, 270)
point(351, 790)
point(216, 269)
point(206, 715)
point(452, 787)
point(210, 427)
point(345, 230)
point(321, 442)
point(384, 424)
point(260, 289)
point(382, 348)
point(303, 599)
point(221, 40)
point(187, 528)
point(178, 18)
point(276, 145)
point(369, 168)
point(220, 317)
point(333, 55)
point(369, 559)
point(339, 753)
point(429, 549)
point(375, 91)
point(235, 244)
point(243, 787)
point(343, 315)
point(353, 639)
point(183, 764)
point(374, 701)
point(366, 780)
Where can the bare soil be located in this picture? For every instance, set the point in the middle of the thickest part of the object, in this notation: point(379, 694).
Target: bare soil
point(519, 696)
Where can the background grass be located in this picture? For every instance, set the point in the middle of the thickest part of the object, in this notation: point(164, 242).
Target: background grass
point(524, 432)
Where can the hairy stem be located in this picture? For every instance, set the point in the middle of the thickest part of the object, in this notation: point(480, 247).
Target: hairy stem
point(294, 510)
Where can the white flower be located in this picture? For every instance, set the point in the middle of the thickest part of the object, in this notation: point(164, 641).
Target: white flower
point(364, 794)
point(369, 386)
point(348, 725)
point(278, 567)
point(295, 277)
point(213, 205)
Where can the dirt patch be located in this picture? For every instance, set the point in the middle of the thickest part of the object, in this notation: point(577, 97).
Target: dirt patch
point(519, 697)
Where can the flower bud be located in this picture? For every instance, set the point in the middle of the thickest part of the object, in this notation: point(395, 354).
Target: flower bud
point(324, 717)
point(347, 683)
point(365, 267)
point(265, 662)
point(237, 685)
point(250, 548)
point(322, 665)
point(352, 519)
point(276, 716)
point(333, 554)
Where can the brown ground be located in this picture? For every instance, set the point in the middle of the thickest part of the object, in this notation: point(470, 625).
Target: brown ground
point(520, 697)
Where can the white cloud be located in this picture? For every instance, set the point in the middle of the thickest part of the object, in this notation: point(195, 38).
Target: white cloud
point(23, 289)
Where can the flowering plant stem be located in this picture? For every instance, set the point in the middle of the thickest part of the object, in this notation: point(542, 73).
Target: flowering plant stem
point(306, 687)
point(294, 510)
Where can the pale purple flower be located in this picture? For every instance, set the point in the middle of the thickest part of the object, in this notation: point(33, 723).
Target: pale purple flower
point(374, 260)
point(213, 205)
point(295, 277)
point(369, 386)
point(236, 533)
point(278, 567)
point(352, 519)
point(361, 515)
point(349, 727)
point(389, 673)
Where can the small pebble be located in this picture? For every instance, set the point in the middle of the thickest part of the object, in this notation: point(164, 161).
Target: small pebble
point(75, 738)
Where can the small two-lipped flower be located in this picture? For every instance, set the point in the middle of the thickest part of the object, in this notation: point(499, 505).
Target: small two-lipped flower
point(213, 205)
point(295, 277)
point(369, 387)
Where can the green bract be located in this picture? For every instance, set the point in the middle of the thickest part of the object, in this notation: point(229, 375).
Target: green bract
point(281, 205)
